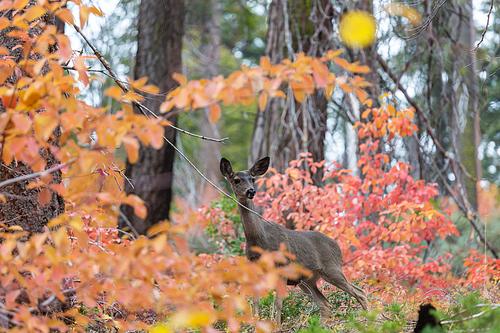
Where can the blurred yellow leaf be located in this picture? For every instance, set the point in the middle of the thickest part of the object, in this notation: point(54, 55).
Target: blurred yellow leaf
point(399, 9)
point(357, 29)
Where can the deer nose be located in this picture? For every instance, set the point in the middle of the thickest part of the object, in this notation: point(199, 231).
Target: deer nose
point(250, 193)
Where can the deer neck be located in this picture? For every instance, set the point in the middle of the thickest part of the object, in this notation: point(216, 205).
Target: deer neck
point(252, 224)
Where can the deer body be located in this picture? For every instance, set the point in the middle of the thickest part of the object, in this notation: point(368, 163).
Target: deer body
point(314, 251)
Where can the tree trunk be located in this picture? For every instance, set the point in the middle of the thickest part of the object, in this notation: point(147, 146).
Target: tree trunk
point(287, 128)
point(159, 45)
point(22, 207)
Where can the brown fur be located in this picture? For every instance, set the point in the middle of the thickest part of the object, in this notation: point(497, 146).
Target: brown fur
point(316, 252)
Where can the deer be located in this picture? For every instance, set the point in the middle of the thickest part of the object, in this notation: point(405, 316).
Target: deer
point(314, 251)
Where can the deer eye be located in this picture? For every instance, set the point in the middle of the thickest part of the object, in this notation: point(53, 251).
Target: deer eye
point(236, 181)
point(253, 180)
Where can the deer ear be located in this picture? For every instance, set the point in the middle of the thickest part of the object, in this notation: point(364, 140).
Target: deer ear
point(225, 168)
point(260, 167)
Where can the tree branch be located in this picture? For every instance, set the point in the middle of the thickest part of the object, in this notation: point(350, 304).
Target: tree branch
point(122, 86)
point(36, 174)
point(485, 28)
point(465, 205)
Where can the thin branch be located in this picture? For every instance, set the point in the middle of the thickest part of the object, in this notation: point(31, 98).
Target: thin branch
point(122, 86)
point(211, 183)
point(465, 206)
point(493, 306)
point(199, 136)
point(485, 28)
point(36, 174)
point(125, 89)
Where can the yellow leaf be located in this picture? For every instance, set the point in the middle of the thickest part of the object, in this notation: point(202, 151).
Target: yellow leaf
point(44, 196)
point(15, 228)
point(2, 198)
point(132, 147)
point(357, 29)
point(391, 109)
point(45, 124)
point(34, 12)
point(399, 9)
point(214, 112)
point(180, 78)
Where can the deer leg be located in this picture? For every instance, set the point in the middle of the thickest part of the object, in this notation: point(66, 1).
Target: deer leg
point(336, 277)
point(311, 289)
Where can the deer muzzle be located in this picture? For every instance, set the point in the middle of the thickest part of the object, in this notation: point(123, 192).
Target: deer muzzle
point(250, 193)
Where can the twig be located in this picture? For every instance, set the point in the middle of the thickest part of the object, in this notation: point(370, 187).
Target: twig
point(129, 224)
point(199, 136)
point(493, 306)
point(211, 183)
point(465, 206)
point(122, 86)
point(125, 89)
point(485, 28)
point(37, 174)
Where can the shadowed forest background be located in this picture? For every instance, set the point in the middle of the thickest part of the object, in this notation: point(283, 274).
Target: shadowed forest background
point(383, 134)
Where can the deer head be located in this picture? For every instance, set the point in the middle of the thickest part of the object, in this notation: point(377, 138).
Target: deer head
point(242, 182)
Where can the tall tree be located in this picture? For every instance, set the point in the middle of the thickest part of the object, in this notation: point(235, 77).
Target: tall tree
point(22, 206)
point(287, 128)
point(159, 46)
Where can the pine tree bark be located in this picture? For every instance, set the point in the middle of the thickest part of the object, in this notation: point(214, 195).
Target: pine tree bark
point(286, 128)
point(159, 46)
point(22, 207)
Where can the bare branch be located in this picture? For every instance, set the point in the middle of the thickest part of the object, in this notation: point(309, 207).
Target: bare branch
point(37, 174)
point(122, 86)
point(485, 28)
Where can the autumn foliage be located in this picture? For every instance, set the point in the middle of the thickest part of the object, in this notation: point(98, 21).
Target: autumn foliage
point(80, 273)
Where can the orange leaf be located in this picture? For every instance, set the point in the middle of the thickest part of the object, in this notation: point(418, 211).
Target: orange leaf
point(4, 23)
point(82, 70)
point(132, 147)
point(214, 112)
point(44, 196)
point(34, 12)
point(166, 106)
point(5, 72)
point(20, 4)
point(84, 15)
point(65, 15)
point(114, 92)
point(59, 189)
point(180, 78)
point(138, 204)
point(46, 177)
point(262, 100)
point(22, 122)
point(2, 198)
point(298, 92)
